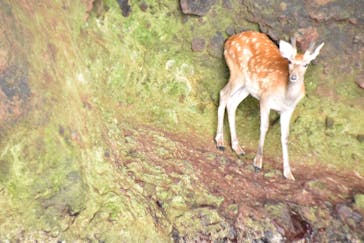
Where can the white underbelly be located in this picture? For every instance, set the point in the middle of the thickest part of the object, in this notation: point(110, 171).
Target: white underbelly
point(254, 92)
point(279, 105)
point(282, 105)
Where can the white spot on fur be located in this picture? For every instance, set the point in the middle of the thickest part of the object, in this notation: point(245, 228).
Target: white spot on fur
point(246, 52)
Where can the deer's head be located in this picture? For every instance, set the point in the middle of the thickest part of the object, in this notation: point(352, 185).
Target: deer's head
point(298, 63)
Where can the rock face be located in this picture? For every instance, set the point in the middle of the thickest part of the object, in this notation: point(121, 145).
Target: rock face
point(106, 124)
point(309, 21)
point(315, 21)
point(198, 44)
point(14, 80)
point(199, 7)
point(215, 44)
point(124, 7)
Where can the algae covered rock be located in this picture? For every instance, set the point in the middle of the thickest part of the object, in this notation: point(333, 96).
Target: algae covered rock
point(106, 125)
point(199, 7)
point(125, 7)
point(359, 201)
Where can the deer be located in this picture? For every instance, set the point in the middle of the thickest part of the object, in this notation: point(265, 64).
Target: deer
point(274, 76)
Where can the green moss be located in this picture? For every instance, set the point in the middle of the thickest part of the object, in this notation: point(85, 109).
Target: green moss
point(202, 221)
point(4, 170)
point(233, 209)
point(78, 168)
point(359, 201)
point(317, 185)
point(276, 210)
point(313, 77)
point(335, 145)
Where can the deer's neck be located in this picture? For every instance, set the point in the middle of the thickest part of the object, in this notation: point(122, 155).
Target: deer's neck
point(295, 92)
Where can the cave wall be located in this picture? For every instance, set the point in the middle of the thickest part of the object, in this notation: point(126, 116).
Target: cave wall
point(337, 23)
point(333, 82)
point(81, 80)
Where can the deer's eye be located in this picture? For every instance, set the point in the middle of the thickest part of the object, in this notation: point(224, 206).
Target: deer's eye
point(305, 65)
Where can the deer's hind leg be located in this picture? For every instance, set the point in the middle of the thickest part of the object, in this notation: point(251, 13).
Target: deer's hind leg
point(232, 105)
point(219, 139)
point(230, 97)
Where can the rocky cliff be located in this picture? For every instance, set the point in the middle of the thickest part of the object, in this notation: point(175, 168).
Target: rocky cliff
point(108, 113)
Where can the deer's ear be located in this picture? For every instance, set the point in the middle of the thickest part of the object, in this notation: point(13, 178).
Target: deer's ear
point(287, 50)
point(308, 56)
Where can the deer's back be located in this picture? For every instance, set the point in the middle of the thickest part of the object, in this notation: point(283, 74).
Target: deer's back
point(258, 61)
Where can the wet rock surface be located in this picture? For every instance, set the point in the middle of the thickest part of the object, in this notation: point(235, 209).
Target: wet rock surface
point(198, 44)
point(215, 44)
point(124, 7)
point(310, 21)
point(14, 82)
point(14, 76)
point(117, 144)
point(288, 222)
point(266, 211)
point(360, 80)
point(199, 7)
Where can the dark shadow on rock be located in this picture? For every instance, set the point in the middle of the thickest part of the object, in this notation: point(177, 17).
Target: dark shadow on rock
point(125, 7)
point(196, 7)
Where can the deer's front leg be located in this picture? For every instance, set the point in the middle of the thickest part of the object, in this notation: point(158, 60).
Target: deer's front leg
point(285, 120)
point(264, 124)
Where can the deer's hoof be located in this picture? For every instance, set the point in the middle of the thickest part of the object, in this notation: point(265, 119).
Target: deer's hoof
point(257, 169)
point(238, 150)
point(289, 176)
point(220, 147)
point(258, 162)
point(240, 154)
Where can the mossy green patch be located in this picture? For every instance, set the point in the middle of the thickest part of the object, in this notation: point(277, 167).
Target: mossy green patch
point(359, 201)
point(84, 165)
point(201, 222)
point(4, 170)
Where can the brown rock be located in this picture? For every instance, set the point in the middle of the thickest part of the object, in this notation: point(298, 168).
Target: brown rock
point(4, 59)
point(198, 44)
point(227, 4)
point(230, 30)
point(322, 2)
point(329, 122)
point(196, 7)
point(125, 7)
point(360, 80)
point(216, 45)
point(360, 137)
point(143, 6)
point(348, 215)
point(306, 36)
point(360, 83)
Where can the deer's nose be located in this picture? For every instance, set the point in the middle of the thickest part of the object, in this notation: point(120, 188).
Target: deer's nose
point(293, 77)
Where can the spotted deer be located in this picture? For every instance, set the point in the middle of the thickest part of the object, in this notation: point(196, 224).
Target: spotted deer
point(273, 76)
